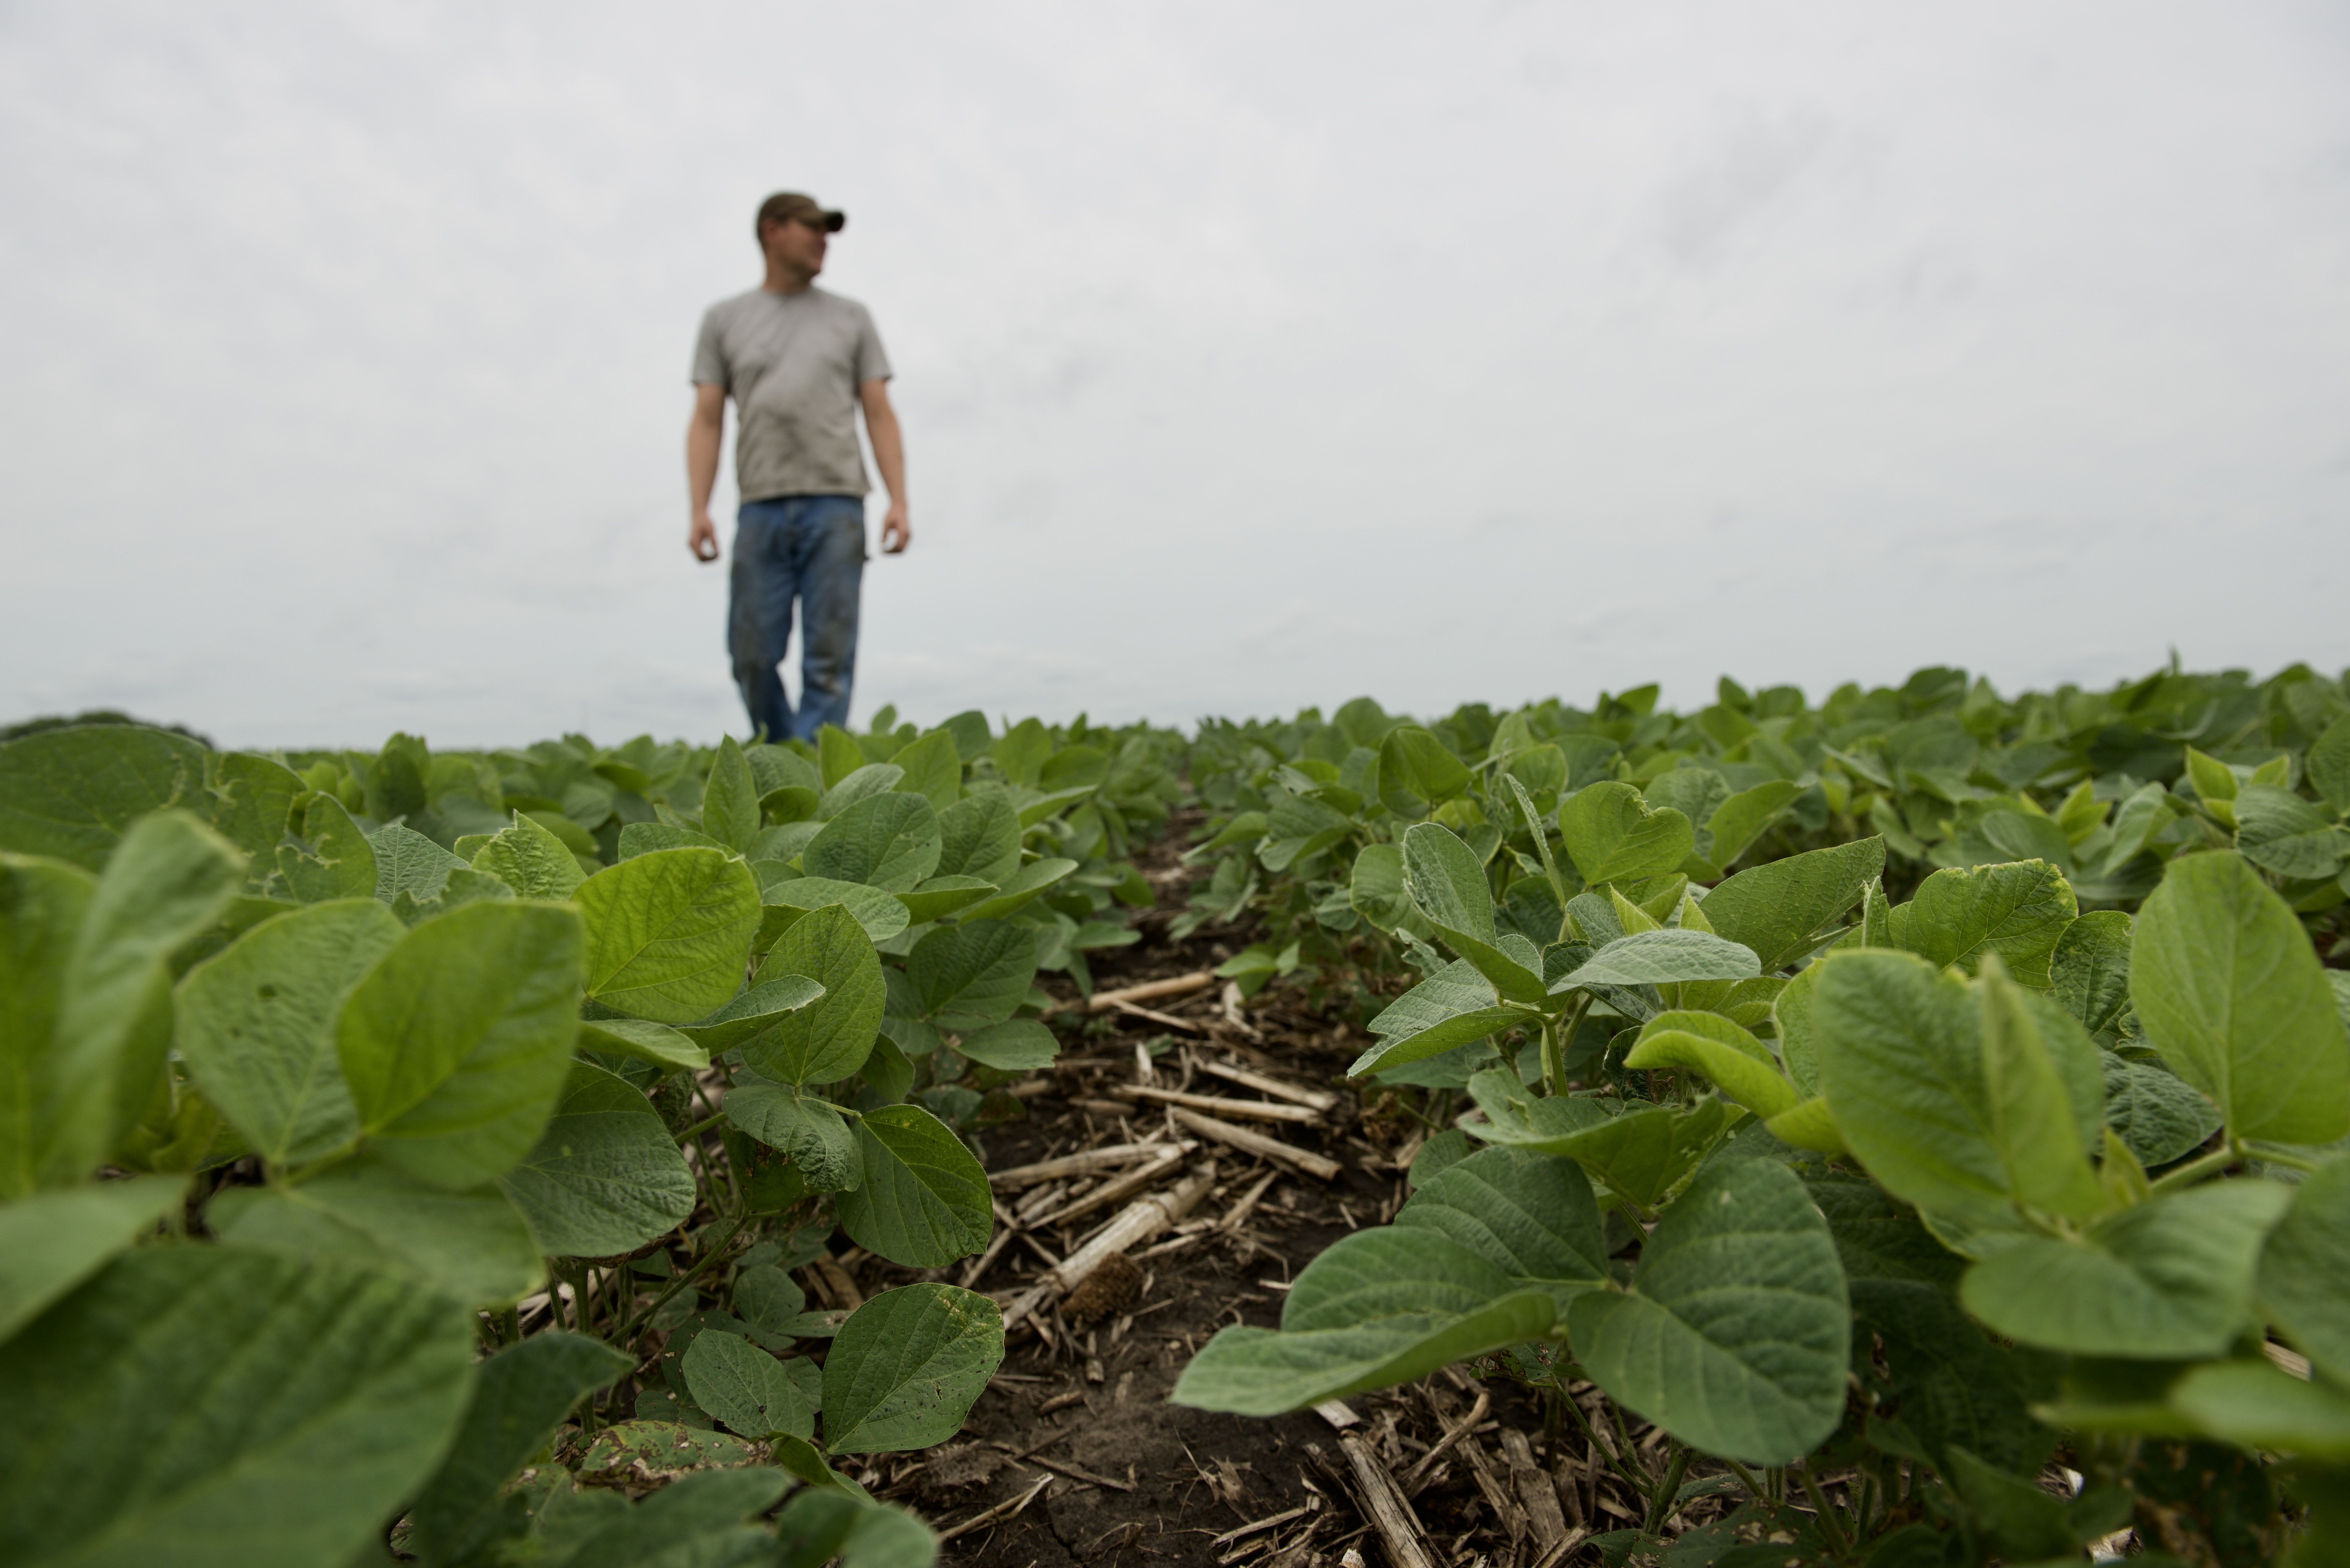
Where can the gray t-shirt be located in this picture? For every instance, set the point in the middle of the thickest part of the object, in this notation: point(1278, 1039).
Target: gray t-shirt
point(792, 363)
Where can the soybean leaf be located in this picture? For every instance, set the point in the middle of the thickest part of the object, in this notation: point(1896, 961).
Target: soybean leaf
point(1774, 908)
point(606, 1177)
point(1415, 773)
point(2328, 762)
point(42, 903)
point(1740, 1066)
point(938, 896)
point(2256, 1405)
point(729, 799)
point(2303, 1279)
point(698, 1521)
point(408, 862)
point(1374, 888)
point(1015, 1045)
point(252, 801)
point(1374, 1308)
point(2157, 1115)
point(979, 835)
point(862, 784)
point(1455, 1006)
point(668, 933)
point(521, 1395)
point(649, 838)
point(906, 1366)
point(1613, 835)
point(2089, 973)
point(808, 1131)
point(71, 794)
point(924, 1200)
point(531, 860)
point(821, 1524)
point(1020, 887)
point(2037, 1118)
point(51, 1241)
point(456, 1043)
point(974, 974)
point(333, 859)
point(882, 914)
point(644, 1041)
point(312, 1396)
point(887, 841)
point(2018, 910)
point(2228, 990)
point(1447, 883)
point(745, 1387)
point(2278, 831)
point(753, 1014)
point(1734, 1335)
point(257, 1024)
point(830, 1038)
point(469, 1246)
point(1661, 958)
point(933, 770)
point(2170, 1278)
point(1738, 821)
point(1532, 1216)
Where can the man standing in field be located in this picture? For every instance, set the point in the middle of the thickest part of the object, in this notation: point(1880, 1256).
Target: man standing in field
point(798, 362)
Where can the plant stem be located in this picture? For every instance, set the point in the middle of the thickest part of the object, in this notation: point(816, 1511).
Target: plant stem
point(717, 1249)
point(1823, 1513)
point(698, 1128)
point(1554, 1059)
point(1754, 1485)
point(1614, 1460)
point(1660, 1505)
point(2196, 1170)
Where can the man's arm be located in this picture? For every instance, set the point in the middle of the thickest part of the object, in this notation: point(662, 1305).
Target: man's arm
point(703, 434)
point(889, 451)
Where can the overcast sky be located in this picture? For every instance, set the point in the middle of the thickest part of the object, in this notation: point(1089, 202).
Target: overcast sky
point(1250, 355)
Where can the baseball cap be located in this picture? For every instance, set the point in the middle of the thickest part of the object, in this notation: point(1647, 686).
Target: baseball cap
point(785, 205)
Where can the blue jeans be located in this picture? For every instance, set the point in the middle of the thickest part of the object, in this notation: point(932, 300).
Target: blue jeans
point(811, 549)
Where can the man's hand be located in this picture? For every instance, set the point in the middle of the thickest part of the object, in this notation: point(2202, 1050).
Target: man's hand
point(703, 537)
point(896, 532)
point(701, 438)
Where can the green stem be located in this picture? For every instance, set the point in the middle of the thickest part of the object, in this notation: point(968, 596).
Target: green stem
point(1660, 1506)
point(1754, 1483)
point(1823, 1513)
point(1615, 1461)
point(1554, 1059)
point(717, 1249)
point(698, 1128)
point(509, 1324)
point(2196, 1170)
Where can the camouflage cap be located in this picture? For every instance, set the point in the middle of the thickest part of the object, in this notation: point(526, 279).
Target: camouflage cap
point(787, 206)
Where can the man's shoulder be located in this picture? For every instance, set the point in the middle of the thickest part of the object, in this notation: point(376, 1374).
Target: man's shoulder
point(736, 306)
point(839, 303)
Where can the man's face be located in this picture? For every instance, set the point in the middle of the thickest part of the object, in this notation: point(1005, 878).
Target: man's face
point(797, 245)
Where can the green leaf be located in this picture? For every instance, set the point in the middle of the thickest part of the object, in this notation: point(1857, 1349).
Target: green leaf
point(2254, 1405)
point(2328, 764)
point(808, 1131)
point(333, 859)
point(2278, 831)
point(1738, 821)
point(753, 1014)
point(1374, 1308)
point(606, 1177)
point(252, 801)
point(939, 896)
point(188, 1394)
point(906, 1366)
point(469, 1246)
point(2168, 1279)
point(2228, 989)
point(1447, 883)
point(2036, 1118)
point(1775, 908)
point(72, 794)
point(924, 1201)
point(51, 1241)
point(1530, 1216)
point(882, 914)
point(1899, 1049)
point(1740, 1066)
point(1453, 1007)
point(729, 799)
point(979, 835)
point(669, 932)
point(933, 770)
point(1640, 1154)
point(1734, 1336)
point(874, 778)
point(887, 841)
point(1020, 887)
point(1661, 958)
point(646, 1041)
point(2018, 910)
point(828, 1038)
point(455, 1044)
point(2303, 1279)
point(1415, 773)
point(531, 860)
point(2089, 973)
point(819, 1525)
point(408, 862)
point(698, 1521)
point(2157, 1115)
point(974, 974)
point(1016, 1046)
point(745, 1387)
point(1613, 835)
point(257, 1024)
point(520, 1398)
